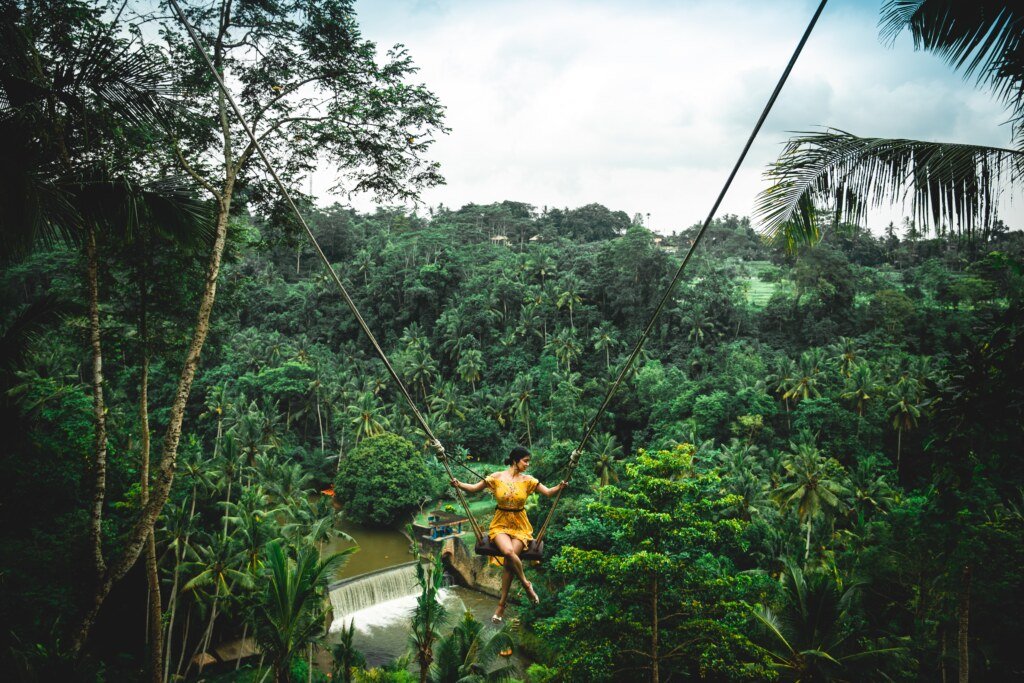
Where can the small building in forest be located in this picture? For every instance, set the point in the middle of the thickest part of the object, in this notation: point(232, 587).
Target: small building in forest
point(443, 525)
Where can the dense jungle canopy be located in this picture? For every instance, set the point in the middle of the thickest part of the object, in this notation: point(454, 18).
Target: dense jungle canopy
point(813, 472)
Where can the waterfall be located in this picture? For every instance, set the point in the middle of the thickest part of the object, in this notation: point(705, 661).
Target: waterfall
point(375, 598)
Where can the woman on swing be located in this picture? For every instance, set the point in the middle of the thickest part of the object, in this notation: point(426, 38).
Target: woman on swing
point(510, 529)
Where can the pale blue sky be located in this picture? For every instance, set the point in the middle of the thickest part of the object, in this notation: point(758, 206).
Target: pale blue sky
point(644, 105)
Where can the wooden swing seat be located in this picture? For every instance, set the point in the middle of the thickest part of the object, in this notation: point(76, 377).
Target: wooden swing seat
point(533, 551)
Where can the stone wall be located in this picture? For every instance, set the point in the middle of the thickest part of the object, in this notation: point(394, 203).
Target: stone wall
point(473, 571)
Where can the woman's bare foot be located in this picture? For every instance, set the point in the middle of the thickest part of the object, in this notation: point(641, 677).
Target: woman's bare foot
point(531, 593)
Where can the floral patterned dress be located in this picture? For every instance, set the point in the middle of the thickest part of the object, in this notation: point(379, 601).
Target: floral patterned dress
point(510, 515)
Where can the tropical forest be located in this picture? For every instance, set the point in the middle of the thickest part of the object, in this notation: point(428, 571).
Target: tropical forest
point(253, 434)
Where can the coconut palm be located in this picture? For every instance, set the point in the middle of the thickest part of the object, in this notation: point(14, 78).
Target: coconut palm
point(569, 298)
point(605, 339)
point(522, 389)
point(814, 637)
point(906, 404)
point(812, 484)
point(346, 657)
point(860, 387)
point(949, 184)
point(428, 616)
point(471, 366)
point(846, 355)
point(289, 614)
point(178, 525)
point(745, 476)
point(781, 380)
point(805, 383)
point(217, 406)
point(219, 566)
point(472, 654)
point(607, 453)
point(366, 417)
point(565, 346)
point(446, 402)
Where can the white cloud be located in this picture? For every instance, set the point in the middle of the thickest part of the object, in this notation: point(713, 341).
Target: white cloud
point(644, 106)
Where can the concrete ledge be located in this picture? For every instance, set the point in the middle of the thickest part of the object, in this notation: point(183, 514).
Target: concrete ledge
point(472, 571)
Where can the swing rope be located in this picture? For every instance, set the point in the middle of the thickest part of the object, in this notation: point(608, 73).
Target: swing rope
point(432, 439)
point(575, 456)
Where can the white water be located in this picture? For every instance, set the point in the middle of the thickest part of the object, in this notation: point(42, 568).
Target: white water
point(398, 610)
point(377, 600)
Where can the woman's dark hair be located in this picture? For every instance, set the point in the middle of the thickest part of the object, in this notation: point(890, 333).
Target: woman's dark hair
point(517, 454)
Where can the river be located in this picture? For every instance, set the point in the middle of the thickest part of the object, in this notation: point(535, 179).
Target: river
point(382, 631)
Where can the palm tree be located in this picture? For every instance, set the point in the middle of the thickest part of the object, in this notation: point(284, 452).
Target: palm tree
point(860, 387)
point(568, 298)
point(429, 615)
point(814, 636)
point(905, 410)
point(221, 567)
point(607, 453)
point(846, 356)
point(698, 324)
point(804, 384)
point(446, 402)
point(950, 184)
point(469, 654)
point(745, 476)
point(782, 381)
point(217, 406)
point(421, 369)
point(522, 389)
point(346, 657)
point(565, 346)
point(605, 339)
point(177, 529)
point(471, 365)
point(366, 417)
point(812, 484)
point(289, 615)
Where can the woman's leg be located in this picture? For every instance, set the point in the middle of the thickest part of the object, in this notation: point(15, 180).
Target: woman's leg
point(506, 584)
point(510, 548)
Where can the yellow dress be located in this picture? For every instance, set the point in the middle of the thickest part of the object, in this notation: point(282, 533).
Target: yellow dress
point(510, 516)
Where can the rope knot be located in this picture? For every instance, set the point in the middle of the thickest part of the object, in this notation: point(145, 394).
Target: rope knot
point(438, 447)
point(574, 457)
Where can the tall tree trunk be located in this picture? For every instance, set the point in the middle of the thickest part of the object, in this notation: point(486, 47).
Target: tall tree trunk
point(963, 620)
point(136, 538)
point(184, 641)
point(320, 423)
point(156, 647)
point(155, 624)
point(807, 546)
point(655, 672)
point(172, 605)
point(204, 640)
point(241, 647)
point(99, 411)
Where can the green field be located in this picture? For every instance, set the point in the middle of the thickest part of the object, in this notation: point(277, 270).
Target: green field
point(757, 291)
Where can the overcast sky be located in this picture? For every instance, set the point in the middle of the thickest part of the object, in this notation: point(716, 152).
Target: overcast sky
point(644, 105)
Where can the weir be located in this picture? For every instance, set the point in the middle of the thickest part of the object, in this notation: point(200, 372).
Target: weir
point(377, 588)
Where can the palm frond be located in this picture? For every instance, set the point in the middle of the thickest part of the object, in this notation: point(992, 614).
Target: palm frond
point(846, 175)
point(983, 38)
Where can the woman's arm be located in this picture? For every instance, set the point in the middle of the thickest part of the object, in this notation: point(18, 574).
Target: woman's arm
point(472, 488)
point(553, 490)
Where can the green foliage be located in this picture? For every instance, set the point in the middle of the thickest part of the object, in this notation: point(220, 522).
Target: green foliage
point(289, 616)
point(656, 589)
point(382, 480)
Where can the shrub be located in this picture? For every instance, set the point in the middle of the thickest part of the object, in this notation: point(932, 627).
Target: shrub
point(382, 480)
